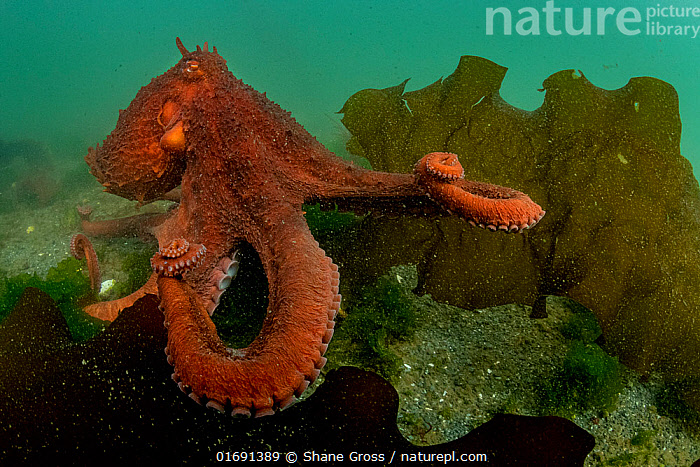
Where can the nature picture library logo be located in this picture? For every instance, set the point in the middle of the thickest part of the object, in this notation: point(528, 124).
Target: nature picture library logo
point(658, 19)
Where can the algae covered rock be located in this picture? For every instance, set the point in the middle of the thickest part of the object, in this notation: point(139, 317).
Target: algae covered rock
point(622, 230)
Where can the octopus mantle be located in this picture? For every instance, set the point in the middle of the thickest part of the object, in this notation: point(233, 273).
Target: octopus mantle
point(245, 168)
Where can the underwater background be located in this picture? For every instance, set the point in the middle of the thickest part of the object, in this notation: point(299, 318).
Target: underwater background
point(70, 65)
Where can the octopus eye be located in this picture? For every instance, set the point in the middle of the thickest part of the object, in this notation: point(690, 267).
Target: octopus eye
point(192, 66)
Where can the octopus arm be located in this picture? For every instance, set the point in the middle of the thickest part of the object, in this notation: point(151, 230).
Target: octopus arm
point(81, 247)
point(140, 224)
point(488, 206)
point(334, 177)
point(437, 185)
point(108, 311)
point(287, 355)
point(351, 188)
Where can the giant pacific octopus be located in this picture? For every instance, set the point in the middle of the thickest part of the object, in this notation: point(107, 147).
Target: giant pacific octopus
point(245, 168)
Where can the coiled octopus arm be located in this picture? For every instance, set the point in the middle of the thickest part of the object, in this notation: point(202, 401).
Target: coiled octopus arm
point(481, 204)
point(81, 248)
point(288, 353)
point(440, 177)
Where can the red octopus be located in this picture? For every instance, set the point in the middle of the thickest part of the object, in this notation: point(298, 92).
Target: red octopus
point(245, 168)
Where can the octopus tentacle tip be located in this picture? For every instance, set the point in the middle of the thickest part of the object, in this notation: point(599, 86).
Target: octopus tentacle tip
point(488, 206)
point(177, 258)
point(441, 165)
point(81, 248)
point(85, 212)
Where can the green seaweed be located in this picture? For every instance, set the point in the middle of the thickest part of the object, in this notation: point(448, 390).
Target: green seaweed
point(621, 231)
point(66, 284)
point(628, 458)
point(512, 405)
point(643, 438)
point(672, 401)
point(642, 449)
point(138, 268)
point(381, 313)
point(582, 326)
point(588, 379)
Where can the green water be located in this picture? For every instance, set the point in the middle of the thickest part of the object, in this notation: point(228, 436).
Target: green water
point(69, 66)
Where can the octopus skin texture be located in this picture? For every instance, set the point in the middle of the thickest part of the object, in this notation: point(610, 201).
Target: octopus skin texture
point(244, 168)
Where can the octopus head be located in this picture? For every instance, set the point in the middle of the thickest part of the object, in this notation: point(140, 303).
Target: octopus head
point(145, 155)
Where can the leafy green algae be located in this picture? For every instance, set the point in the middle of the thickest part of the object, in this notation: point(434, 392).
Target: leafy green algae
point(589, 378)
point(380, 313)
